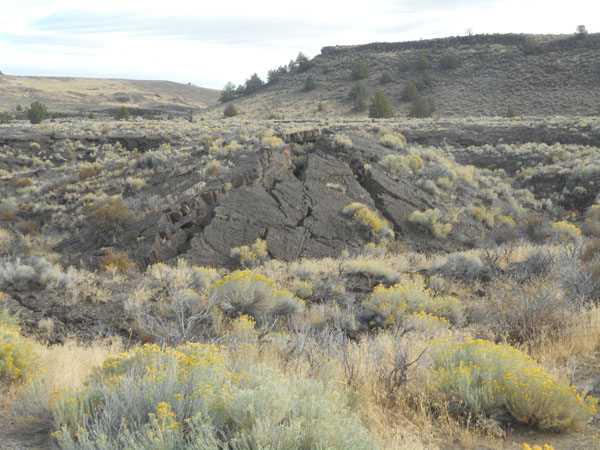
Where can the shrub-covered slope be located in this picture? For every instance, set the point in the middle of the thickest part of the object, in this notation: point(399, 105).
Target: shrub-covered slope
point(467, 76)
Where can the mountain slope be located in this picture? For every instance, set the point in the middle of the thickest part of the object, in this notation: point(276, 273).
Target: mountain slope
point(538, 75)
point(94, 94)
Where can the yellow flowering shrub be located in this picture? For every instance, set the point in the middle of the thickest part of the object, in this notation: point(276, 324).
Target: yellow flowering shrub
point(243, 329)
point(197, 397)
point(423, 322)
point(377, 227)
point(341, 141)
point(505, 221)
point(430, 219)
point(401, 165)
point(17, 359)
point(252, 255)
point(392, 140)
point(408, 297)
point(537, 447)
point(483, 376)
point(273, 142)
point(566, 231)
point(481, 214)
point(245, 292)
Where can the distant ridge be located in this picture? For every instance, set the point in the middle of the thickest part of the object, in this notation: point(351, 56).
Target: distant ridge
point(71, 94)
point(538, 75)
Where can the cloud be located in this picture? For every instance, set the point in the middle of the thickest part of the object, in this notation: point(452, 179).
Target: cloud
point(437, 5)
point(49, 40)
point(221, 30)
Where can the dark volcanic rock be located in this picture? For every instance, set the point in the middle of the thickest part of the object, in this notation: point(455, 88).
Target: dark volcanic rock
point(297, 210)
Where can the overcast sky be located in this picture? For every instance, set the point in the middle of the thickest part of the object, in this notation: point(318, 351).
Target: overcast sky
point(210, 43)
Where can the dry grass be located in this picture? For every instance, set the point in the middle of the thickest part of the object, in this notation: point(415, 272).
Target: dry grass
point(73, 94)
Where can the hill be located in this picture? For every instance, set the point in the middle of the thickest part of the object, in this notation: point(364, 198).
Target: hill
point(96, 94)
point(537, 74)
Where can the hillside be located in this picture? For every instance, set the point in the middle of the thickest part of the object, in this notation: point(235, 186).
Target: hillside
point(368, 245)
point(96, 94)
point(537, 74)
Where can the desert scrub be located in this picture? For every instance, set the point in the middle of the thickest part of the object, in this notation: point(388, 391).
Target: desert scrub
point(482, 376)
point(483, 215)
point(116, 261)
point(109, 214)
point(391, 306)
point(249, 256)
point(430, 219)
point(17, 359)
point(377, 227)
point(522, 312)
point(341, 141)
point(273, 142)
point(462, 266)
point(196, 396)
point(392, 140)
point(565, 231)
point(401, 165)
point(371, 268)
point(244, 292)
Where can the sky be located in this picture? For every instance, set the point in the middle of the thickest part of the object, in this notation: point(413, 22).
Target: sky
point(209, 43)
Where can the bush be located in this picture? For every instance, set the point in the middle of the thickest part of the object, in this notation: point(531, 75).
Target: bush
point(116, 261)
point(275, 75)
point(449, 61)
point(580, 274)
point(17, 360)
point(510, 112)
point(109, 214)
point(358, 94)
point(250, 256)
point(422, 63)
point(531, 46)
point(581, 32)
point(341, 141)
point(430, 219)
point(520, 313)
point(409, 91)
point(395, 141)
point(6, 117)
point(404, 65)
point(253, 84)
point(197, 397)
point(422, 107)
point(534, 227)
point(424, 81)
point(123, 113)
point(244, 292)
point(400, 165)
point(37, 112)
point(391, 306)
point(385, 78)
point(377, 227)
point(464, 267)
point(230, 110)
point(380, 106)
point(360, 71)
point(482, 376)
point(565, 231)
point(310, 83)
point(303, 63)
point(228, 93)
